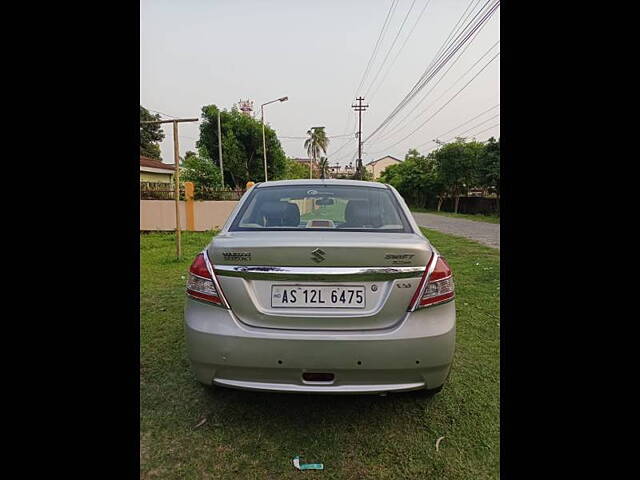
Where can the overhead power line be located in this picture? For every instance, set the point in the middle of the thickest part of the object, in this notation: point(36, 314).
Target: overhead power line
point(394, 3)
point(343, 145)
point(304, 138)
point(469, 29)
point(458, 135)
point(437, 56)
point(397, 55)
point(345, 156)
point(393, 43)
point(458, 126)
point(352, 155)
point(466, 33)
point(161, 113)
point(402, 123)
point(474, 135)
point(373, 54)
point(486, 129)
point(446, 103)
point(455, 29)
point(476, 126)
point(442, 54)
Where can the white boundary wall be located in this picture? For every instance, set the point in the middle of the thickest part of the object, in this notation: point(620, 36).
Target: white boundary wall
point(161, 214)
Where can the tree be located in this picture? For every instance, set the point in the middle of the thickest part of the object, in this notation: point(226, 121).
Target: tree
point(389, 174)
point(150, 134)
point(323, 167)
point(367, 176)
point(202, 172)
point(457, 163)
point(293, 170)
point(242, 151)
point(416, 178)
point(316, 143)
point(489, 166)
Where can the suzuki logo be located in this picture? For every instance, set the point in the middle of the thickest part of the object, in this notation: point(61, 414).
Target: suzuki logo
point(318, 255)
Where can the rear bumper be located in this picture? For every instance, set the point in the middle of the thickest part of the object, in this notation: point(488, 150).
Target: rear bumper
point(413, 355)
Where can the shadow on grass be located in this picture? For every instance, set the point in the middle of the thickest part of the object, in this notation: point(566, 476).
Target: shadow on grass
point(299, 412)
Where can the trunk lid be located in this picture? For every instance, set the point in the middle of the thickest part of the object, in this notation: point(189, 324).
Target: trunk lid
point(339, 249)
point(252, 267)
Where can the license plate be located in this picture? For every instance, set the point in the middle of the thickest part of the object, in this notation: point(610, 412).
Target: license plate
point(317, 296)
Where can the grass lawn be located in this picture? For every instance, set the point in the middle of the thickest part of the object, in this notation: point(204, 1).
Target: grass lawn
point(255, 435)
point(477, 217)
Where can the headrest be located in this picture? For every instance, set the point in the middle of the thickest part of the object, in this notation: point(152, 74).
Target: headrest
point(280, 214)
point(291, 215)
point(358, 214)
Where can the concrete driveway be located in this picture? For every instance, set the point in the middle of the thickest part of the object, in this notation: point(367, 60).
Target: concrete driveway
point(483, 232)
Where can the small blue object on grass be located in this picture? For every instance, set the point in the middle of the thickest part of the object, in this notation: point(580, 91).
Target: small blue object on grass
point(306, 466)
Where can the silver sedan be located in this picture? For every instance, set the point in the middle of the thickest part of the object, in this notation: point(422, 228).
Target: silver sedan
point(323, 286)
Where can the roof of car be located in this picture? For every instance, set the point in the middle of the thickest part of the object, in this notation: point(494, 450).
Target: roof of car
point(331, 181)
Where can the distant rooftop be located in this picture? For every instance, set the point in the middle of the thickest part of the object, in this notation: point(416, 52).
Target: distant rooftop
point(382, 158)
point(154, 163)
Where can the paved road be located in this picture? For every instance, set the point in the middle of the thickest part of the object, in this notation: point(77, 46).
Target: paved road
point(483, 232)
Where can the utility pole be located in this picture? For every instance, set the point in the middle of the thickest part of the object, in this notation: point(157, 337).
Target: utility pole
point(220, 150)
point(176, 156)
point(264, 142)
point(359, 107)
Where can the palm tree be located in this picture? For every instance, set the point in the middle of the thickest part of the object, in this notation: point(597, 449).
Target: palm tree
point(316, 143)
point(323, 166)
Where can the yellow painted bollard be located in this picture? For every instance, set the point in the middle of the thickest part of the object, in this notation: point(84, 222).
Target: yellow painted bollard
point(189, 206)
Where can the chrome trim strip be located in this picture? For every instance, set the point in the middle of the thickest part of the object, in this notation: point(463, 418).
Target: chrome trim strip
point(293, 388)
point(319, 273)
point(215, 280)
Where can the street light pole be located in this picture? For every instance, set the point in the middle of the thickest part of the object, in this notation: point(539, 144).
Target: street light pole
point(264, 142)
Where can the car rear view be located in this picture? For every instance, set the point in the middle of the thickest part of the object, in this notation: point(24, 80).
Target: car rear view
point(321, 286)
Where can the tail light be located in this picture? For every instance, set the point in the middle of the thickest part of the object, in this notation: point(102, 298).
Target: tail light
point(202, 283)
point(439, 287)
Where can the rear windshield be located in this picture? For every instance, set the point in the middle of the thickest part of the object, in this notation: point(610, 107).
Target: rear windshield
point(321, 207)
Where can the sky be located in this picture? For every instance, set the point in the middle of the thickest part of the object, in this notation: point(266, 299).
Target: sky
point(198, 52)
